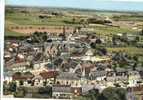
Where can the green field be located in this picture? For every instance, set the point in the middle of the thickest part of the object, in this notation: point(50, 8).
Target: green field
point(129, 17)
point(17, 17)
point(11, 33)
point(105, 30)
point(128, 50)
point(30, 19)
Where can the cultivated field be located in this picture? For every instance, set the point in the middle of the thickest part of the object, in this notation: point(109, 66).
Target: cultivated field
point(52, 20)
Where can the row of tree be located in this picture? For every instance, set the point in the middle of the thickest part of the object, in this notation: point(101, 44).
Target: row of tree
point(111, 93)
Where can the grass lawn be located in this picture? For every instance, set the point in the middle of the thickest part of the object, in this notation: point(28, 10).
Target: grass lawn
point(129, 50)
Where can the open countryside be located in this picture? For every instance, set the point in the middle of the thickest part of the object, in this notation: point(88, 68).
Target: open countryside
point(69, 53)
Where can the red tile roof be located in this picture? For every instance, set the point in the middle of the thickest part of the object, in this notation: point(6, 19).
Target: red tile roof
point(22, 77)
point(49, 74)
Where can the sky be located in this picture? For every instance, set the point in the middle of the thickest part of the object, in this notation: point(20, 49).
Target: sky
point(120, 5)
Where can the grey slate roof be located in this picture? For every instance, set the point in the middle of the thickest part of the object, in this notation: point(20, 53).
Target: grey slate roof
point(96, 74)
point(67, 76)
point(61, 88)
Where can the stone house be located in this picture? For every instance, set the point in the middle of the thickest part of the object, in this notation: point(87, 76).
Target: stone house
point(62, 92)
point(65, 91)
point(98, 75)
point(46, 77)
point(66, 78)
point(133, 77)
point(116, 76)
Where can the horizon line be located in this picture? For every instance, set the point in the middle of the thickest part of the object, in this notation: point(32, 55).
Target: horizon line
point(80, 8)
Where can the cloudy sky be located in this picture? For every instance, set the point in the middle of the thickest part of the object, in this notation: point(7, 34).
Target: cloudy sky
point(127, 5)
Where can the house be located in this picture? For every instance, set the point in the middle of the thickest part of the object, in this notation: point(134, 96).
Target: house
point(116, 76)
point(8, 76)
point(141, 74)
point(89, 52)
point(18, 67)
point(133, 77)
point(45, 76)
point(40, 64)
point(14, 45)
point(30, 91)
point(137, 91)
point(66, 91)
point(49, 74)
point(77, 91)
point(66, 78)
point(98, 75)
point(87, 30)
point(62, 92)
point(131, 37)
point(22, 78)
point(51, 50)
point(20, 58)
point(96, 58)
point(86, 88)
point(7, 57)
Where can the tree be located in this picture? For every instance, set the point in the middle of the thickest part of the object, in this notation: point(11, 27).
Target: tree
point(20, 93)
point(35, 37)
point(93, 45)
point(135, 58)
point(114, 40)
point(73, 20)
point(46, 91)
point(95, 21)
point(62, 35)
point(103, 51)
point(28, 73)
point(122, 93)
point(45, 37)
point(98, 41)
point(113, 93)
point(21, 82)
point(141, 32)
point(134, 66)
point(45, 83)
point(5, 88)
point(110, 93)
point(41, 17)
point(92, 94)
point(31, 65)
point(115, 66)
point(18, 73)
point(137, 39)
point(13, 86)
